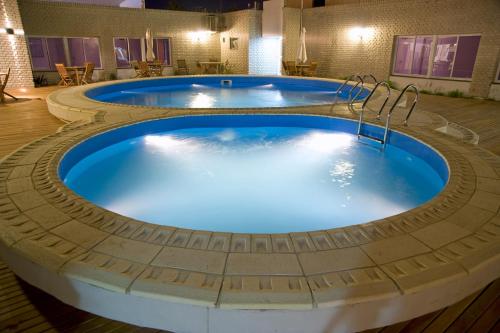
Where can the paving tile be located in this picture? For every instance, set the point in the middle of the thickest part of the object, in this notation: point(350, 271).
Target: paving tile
point(79, 233)
point(470, 217)
point(27, 200)
point(486, 200)
point(128, 249)
point(262, 264)
point(47, 216)
point(394, 248)
point(192, 260)
point(439, 234)
point(333, 260)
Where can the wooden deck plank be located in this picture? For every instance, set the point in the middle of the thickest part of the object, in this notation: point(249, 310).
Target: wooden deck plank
point(418, 324)
point(488, 319)
point(481, 304)
point(450, 314)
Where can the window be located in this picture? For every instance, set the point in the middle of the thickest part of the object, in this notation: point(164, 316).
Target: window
point(452, 57)
point(83, 50)
point(161, 48)
point(126, 50)
point(46, 52)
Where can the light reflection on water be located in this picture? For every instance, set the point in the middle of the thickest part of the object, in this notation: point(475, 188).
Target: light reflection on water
point(265, 179)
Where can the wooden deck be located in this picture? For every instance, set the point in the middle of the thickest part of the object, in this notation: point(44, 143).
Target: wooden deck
point(24, 308)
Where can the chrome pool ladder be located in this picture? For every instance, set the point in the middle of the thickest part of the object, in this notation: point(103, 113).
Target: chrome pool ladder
point(350, 101)
point(383, 141)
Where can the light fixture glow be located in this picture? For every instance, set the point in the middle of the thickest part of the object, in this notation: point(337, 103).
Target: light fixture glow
point(200, 36)
point(361, 33)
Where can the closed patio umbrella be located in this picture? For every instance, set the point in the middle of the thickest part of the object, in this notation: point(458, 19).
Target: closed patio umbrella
point(150, 56)
point(302, 53)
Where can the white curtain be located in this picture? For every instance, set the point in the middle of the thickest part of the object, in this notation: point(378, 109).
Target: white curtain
point(150, 56)
point(302, 52)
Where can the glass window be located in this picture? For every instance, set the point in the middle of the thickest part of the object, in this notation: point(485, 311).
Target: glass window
point(404, 54)
point(422, 51)
point(56, 52)
point(161, 48)
point(135, 52)
point(121, 52)
point(443, 56)
point(466, 56)
point(83, 50)
point(39, 53)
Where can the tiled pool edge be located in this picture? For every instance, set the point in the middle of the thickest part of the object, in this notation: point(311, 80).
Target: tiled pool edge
point(451, 241)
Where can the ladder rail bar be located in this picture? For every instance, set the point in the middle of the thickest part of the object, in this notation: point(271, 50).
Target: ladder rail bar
point(415, 100)
point(339, 89)
point(371, 76)
point(361, 114)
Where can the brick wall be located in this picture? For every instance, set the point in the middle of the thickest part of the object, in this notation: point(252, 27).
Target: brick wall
point(244, 25)
point(76, 20)
point(13, 49)
point(328, 28)
point(291, 31)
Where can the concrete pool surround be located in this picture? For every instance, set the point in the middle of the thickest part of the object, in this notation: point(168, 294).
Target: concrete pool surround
point(344, 279)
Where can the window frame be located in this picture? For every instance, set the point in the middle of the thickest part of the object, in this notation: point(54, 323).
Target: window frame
point(431, 57)
point(67, 54)
point(142, 42)
point(497, 75)
point(169, 49)
point(84, 53)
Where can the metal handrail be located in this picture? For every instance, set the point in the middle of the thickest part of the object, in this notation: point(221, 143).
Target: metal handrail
point(339, 90)
point(372, 76)
point(415, 100)
point(386, 85)
point(351, 99)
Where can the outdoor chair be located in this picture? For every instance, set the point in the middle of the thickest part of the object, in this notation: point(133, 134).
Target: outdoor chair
point(144, 69)
point(182, 68)
point(66, 79)
point(3, 84)
point(284, 66)
point(135, 65)
point(87, 75)
point(292, 68)
point(311, 71)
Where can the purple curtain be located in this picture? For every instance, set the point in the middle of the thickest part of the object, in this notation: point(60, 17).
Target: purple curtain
point(161, 48)
point(76, 53)
point(121, 52)
point(39, 53)
point(421, 55)
point(135, 48)
point(466, 56)
point(56, 52)
point(404, 51)
point(92, 51)
point(443, 56)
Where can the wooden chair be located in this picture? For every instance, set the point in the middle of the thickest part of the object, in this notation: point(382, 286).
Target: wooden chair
point(182, 68)
point(144, 69)
point(3, 84)
point(66, 79)
point(284, 66)
point(135, 65)
point(311, 71)
point(89, 71)
point(292, 68)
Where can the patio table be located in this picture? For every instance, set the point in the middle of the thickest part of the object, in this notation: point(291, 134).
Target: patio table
point(207, 64)
point(78, 70)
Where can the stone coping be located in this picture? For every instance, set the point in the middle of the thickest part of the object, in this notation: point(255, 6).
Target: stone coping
point(452, 238)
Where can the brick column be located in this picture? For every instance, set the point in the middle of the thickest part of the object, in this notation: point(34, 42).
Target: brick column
point(13, 47)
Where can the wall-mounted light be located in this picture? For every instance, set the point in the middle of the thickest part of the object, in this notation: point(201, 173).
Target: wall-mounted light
point(11, 31)
point(361, 34)
point(200, 36)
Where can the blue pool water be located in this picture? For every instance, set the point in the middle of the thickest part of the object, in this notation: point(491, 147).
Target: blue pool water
point(252, 174)
point(208, 92)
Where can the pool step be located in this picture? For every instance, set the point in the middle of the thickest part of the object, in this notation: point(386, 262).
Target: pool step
point(381, 141)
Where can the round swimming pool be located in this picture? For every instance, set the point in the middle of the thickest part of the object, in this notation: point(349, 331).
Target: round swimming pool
point(252, 174)
point(223, 92)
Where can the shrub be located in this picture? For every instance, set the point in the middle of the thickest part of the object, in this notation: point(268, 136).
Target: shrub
point(455, 93)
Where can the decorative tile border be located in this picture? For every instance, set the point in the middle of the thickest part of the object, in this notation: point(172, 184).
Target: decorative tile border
point(454, 236)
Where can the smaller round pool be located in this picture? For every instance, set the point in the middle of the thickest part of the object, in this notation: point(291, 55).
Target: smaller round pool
point(223, 92)
point(252, 174)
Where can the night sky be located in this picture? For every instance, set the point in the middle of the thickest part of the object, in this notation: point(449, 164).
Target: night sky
point(201, 5)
